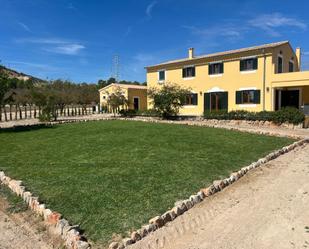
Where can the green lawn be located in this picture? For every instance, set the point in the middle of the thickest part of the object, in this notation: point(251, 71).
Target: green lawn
point(112, 176)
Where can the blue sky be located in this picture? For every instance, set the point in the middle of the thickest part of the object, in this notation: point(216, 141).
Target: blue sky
point(77, 39)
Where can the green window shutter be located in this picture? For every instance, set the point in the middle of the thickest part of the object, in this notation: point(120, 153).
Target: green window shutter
point(193, 71)
point(183, 72)
point(210, 69)
point(257, 96)
point(194, 99)
point(241, 65)
point(206, 101)
point(238, 97)
point(221, 67)
point(255, 63)
point(224, 101)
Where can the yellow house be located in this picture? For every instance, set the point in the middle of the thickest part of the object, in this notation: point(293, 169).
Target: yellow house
point(265, 77)
point(136, 95)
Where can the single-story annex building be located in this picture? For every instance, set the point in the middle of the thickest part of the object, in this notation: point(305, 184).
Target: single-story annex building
point(266, 77)
point(136, 95)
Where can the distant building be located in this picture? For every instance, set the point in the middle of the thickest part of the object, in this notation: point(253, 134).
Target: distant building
point(135, 94)
point(265, 77)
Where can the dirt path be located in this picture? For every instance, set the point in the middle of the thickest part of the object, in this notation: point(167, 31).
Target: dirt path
point(268, 208)
point(21, 230)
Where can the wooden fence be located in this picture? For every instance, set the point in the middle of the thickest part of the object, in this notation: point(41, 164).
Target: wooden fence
point(10, 113)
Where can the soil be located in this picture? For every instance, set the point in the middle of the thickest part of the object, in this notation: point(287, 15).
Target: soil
point(23, 230)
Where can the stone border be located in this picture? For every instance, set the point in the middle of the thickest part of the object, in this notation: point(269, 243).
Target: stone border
point(182, 206)
point(203, 123)
point(71, 235)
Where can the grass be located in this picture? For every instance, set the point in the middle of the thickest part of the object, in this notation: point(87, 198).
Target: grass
point(112, 176)
point(16, 203)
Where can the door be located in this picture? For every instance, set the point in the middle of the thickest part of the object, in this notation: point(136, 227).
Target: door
point(290, 98)
point(285, 98)
point(216, 101)
point(136, 103)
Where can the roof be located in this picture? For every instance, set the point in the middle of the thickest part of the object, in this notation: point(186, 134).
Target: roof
point(229, 52)
point(127, 86)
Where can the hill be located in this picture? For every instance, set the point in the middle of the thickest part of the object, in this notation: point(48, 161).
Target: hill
point(21, 76)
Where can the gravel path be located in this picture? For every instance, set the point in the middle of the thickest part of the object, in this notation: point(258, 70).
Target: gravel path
point(22, 231)
point(267, 208)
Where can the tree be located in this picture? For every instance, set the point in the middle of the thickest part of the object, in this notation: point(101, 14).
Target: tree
point(168, 99)
point(116, 100)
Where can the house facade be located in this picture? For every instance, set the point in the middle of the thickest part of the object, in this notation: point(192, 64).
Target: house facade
point(265, 77)
point(136, 95)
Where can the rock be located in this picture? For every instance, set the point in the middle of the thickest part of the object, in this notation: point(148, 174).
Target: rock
point(80, 244)
point(158, 221)
point(166, 217)
point(188, 204)
point(127, 242)
point(206, 191)
point(113, 245)
point(61, 224)
point(53, 218)
point(177, 210)
point(143, 231)
point(201, 195)
point(46, 213)
point(172, 214)
point(135, 236)
point(218, 185)
point(194, 199)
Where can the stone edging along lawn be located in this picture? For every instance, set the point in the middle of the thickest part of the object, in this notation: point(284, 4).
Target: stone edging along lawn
point(72, 236)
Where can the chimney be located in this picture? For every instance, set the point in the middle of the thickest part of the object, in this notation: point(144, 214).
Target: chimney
point(298, 57)
point(191, 53)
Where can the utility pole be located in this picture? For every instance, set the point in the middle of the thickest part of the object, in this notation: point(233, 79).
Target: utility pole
point(116, 67)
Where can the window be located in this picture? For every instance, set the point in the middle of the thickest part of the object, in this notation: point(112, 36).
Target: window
point(248, 97)
point(191, 99)
point(291, 66)
point(104, 97)
point(248, 64)
point(280, 65)
point(188, 72)
point(215, 68)
point(161, 75)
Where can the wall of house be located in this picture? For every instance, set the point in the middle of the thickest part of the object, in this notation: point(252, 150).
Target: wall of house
point(108, 91)
point(231, 80)
point(141, 94)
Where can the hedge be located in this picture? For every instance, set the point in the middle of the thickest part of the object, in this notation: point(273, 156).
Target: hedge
point(285, 115)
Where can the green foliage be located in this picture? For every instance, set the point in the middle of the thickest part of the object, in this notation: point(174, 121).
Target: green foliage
point(113, 176)
point(117, 100)
point(285, 115)
point(289, 115)
point(168, 99)
point(145, 113)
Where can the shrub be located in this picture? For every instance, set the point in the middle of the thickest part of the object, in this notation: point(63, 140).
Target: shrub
point(127, 113)
point(168, 99)
point(290, 115)
point(285, 115)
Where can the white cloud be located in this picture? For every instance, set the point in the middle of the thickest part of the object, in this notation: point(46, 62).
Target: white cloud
point(69, 49)
point(305, 53)
point(24, 26)
point(149, 8)
point(43, 67)
point(56, 45)
point(271, 22)
point(227, 31)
